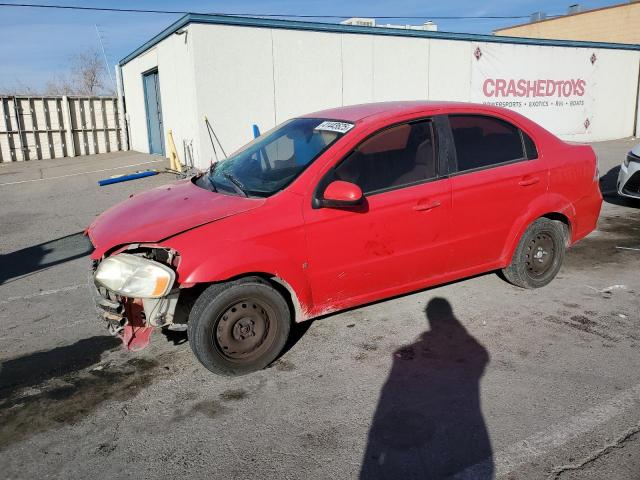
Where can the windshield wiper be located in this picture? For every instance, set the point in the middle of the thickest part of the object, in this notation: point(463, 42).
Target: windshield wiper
point(237, 186)
point(213, 185)
point(209, 176)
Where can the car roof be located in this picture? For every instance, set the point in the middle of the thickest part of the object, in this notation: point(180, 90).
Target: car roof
point(385, 110)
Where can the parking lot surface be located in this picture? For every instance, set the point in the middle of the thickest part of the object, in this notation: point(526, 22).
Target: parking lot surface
point(547, 380)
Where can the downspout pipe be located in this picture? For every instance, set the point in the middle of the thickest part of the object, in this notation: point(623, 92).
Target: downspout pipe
point(122, 114)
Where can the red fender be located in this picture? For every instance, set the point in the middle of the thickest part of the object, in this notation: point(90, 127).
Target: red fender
point(256, 259)
point(541, 206)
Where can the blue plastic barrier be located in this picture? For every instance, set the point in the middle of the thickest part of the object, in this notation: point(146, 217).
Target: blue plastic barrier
point(126, 178)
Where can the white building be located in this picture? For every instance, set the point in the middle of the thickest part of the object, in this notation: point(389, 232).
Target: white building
point(244, 71)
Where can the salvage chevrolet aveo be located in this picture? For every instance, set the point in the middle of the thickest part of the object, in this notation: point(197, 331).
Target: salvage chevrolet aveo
point(336, 209)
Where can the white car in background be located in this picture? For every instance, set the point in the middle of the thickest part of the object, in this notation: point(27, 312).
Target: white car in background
point(629, 176)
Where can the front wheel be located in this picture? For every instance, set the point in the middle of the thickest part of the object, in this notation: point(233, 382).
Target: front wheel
point(238, 327)
point(539, 255)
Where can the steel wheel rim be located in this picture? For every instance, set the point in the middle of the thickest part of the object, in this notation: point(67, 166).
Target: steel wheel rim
point(540, 254)
point(245, 329)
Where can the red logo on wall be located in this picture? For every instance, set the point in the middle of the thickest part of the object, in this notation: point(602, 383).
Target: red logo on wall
point(542, 87)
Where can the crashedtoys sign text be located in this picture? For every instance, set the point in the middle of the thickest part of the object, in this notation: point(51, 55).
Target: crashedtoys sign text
point(553, 86)
point(502, 87)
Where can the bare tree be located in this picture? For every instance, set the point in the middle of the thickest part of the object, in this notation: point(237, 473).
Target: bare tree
point(87, 75)
point(59, 85)
point(18, 88)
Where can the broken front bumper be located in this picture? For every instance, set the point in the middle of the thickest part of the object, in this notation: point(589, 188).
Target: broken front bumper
point(132, 319)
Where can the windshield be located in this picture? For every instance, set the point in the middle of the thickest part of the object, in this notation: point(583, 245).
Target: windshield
point(273, 160)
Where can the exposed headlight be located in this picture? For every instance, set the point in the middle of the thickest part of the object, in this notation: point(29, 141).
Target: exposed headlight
point(132, 276)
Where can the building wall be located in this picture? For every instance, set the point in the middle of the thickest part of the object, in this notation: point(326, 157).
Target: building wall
point(450, 70)
point(239, 76)
point(606, 108)
point(173, 57)
point(307, 72)
point(619, 24)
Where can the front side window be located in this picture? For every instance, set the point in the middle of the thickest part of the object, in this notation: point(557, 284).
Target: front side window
point(272, 161)
point(397, 156)
point(484, 141)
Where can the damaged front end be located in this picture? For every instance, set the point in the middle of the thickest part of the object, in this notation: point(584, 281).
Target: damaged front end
point(135, 292)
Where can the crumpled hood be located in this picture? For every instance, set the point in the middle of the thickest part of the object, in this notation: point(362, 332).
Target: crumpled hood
point(160, 213)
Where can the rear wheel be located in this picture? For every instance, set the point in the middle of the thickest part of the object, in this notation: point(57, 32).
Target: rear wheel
point(238, 327)
point(539, 255)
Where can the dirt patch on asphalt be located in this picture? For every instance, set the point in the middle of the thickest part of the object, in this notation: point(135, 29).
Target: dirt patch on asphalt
point(209, 408)
point(39, 367)
point(70, 394)
point(368, 346)
point(283, 365)
point(583, 324)
point(600, 248)
point(233, 394)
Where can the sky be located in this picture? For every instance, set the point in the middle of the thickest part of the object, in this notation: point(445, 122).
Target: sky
point(36, 44)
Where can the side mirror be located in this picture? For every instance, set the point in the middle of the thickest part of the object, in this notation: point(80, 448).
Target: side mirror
point(342, 194)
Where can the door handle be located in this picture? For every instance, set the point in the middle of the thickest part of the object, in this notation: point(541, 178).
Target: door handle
point(526, 181)
point(420, 207)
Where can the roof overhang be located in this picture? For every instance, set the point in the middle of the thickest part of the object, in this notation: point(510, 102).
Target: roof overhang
point(340, 28)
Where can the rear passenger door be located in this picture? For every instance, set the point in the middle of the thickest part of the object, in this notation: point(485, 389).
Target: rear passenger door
point(498, 174)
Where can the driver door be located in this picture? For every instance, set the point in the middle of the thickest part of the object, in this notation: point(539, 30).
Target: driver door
point(397, 239)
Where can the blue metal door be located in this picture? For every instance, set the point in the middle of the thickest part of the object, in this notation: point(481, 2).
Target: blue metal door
point(154, 112)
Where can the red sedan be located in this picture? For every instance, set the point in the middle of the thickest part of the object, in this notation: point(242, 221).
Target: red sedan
point(336, 209)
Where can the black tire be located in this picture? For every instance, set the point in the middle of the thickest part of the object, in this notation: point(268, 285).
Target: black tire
point(238, 327)
point(539, 255)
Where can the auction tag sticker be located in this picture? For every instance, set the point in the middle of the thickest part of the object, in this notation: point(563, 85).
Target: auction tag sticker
point(330, 126)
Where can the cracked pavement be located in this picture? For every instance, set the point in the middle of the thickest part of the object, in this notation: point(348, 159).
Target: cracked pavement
point(514, 384)
point(624, 452)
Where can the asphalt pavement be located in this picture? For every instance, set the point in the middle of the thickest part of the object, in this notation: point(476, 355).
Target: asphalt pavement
point(515, 384)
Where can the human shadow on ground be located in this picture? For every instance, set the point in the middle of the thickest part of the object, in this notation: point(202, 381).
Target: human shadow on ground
point(428, 423)
point(44, 255)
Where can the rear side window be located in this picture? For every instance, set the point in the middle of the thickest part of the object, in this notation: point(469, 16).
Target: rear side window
point(485, 141)
point(529, 147)
point(397, 156)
